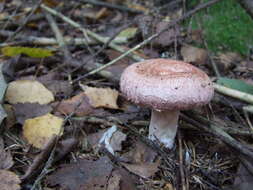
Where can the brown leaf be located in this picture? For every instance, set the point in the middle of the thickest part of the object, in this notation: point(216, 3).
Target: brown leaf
point(141, 153)
point(102, 97)
point(141, 159)
point(6, 161)
point(85, 174)
point(167, 37)
point(53, 83)
point(144, 170)
point(79, 104)
point(9, 180)
point(30, 110)
point(10, 119)
point(244, 179)
point(226, 61)
point(194, 54)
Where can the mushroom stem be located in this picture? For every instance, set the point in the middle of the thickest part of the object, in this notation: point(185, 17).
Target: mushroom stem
point(163, 126)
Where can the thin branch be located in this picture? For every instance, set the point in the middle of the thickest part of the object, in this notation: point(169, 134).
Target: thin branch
point(172, 23)
point(234, 93)
point(25, 21)
point(52, 41)
point(110, 5)
point(89, 32)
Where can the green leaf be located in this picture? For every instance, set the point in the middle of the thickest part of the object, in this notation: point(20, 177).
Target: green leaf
point(31, 52)
point(236, 84)
point(128, 33)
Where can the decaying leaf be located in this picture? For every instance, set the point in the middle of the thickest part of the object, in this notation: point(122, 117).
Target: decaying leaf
point(85, 174)
point(141, 161)
point(30, 110)
point(227, 60)
point(39, 130)
point(6, 161)
point(10, 119)
point(31, 52)
point(9, 180)
point(79, 104)
point(102, 97)
point(167, 37)
point(23, 91)
point(144, 170)
point(193, 54)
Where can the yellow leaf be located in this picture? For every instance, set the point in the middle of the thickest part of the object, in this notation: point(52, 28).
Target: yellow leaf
point(22, 91)
point(9, 180)
point(31, 52)
point(102, 97)
point(128, 33)
point(39, 130)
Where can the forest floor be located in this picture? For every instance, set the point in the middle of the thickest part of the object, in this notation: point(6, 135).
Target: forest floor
point(65, 124)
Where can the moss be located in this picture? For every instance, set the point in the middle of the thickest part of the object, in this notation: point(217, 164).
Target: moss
point(226, 26)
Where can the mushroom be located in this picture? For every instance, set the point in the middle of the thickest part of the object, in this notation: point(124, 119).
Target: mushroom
point(166, 86)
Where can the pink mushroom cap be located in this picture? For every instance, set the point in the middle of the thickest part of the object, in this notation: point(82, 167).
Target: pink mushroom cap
point(164, 84)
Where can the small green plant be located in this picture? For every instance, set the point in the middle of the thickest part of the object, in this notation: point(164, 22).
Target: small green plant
point(226, 27)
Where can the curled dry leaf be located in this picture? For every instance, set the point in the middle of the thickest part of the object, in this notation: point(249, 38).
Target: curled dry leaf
point(194, 54)
point(22, 91)
point(102, 97)
point(39, 130)
point(9, 180)
point(79, 104)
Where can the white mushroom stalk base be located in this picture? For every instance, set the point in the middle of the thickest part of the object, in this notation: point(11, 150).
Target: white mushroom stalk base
point(163, 126)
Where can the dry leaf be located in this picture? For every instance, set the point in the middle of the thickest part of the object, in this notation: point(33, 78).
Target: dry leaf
point(167, 37)
point(39, 130)
point(140, 160)
point(85, 174)
point(22, 91)
point(9, 180)
point(29, 110)
point(6, 161)
point(10, 119)
point(144, 170)
point(102, 97)
point(193, 54)
point(79, 104)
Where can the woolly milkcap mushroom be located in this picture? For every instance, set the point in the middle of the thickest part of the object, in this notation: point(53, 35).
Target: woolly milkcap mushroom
point(166, 86)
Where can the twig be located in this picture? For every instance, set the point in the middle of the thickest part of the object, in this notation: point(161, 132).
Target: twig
point(104, 46)
point(172, 23)
point(218, 132)
point(67, 55)
point(234, 93)
point(181, 164)
point(52, 41)
point(89, 32)
point(25, 21)
point(109, 5)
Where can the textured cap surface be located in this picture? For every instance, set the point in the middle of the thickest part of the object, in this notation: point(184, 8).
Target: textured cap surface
point(164, 84)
